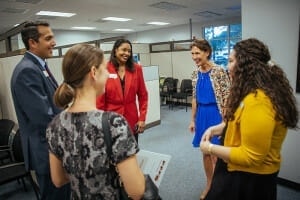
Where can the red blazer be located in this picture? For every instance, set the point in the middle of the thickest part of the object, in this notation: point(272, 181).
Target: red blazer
point(126, 105)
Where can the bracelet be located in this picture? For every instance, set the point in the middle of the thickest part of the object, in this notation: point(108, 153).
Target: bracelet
point(210, 148)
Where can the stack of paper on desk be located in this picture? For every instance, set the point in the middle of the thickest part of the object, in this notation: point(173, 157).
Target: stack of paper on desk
point(154, 164)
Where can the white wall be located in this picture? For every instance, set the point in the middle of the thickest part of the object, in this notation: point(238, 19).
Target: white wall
point(63, 37)
point(177, 64)
point(6, 69)
point(276, 23)
point(164, 62)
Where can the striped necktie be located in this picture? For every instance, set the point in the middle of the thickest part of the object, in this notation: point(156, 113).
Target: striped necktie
point(52, 79)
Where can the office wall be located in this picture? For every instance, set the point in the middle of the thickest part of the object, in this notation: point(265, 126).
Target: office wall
point(174, 64)
point(276, 23)
point(143, 50)
point(164, 62)
point(64, 37)
point(6, 69)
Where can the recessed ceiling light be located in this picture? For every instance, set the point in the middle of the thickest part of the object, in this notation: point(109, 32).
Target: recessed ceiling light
point(123, 29)
point(58, 14)
point(167, 6)
point(83, 27)
point(207, 14)
point(119, 19)
point(158, 23)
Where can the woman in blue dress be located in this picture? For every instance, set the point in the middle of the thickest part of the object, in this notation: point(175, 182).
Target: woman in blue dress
point(210, 90)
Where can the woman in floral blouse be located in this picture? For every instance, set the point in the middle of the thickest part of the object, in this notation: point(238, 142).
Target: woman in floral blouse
point(76, 139)
point(210, 89)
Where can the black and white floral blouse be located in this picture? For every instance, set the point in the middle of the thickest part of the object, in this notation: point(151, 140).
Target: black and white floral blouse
point(78, 140)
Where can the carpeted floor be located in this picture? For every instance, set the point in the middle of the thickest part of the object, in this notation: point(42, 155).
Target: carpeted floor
point(184, 178)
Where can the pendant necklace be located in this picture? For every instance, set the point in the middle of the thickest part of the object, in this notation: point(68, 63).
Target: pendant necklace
point(201, 75)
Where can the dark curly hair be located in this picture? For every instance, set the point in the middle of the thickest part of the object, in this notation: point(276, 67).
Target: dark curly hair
point(255, 70)
point(113, 58)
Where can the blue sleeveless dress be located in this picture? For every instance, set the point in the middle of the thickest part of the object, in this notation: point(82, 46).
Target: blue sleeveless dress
point(207, 113)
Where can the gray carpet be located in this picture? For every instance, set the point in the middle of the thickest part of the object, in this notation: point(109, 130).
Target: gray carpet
point(184, 178)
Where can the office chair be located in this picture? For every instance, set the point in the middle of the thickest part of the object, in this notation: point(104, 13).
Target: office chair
point(16, 170)
point(167, 90)
point(184, 92)
point(6, 127)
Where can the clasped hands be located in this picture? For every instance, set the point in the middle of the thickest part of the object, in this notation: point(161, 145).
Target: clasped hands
point(205, 141)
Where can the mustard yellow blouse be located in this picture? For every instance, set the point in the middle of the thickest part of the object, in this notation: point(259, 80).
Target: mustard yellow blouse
point(255, 136)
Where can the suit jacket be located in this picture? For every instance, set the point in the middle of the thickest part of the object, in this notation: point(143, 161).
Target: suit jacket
point(125, 104)
point(32, 91)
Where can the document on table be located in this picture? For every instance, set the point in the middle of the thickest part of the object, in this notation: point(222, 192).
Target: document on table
point(154, 164)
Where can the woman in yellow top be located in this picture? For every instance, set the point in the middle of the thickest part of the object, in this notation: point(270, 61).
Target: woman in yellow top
point(260, 108)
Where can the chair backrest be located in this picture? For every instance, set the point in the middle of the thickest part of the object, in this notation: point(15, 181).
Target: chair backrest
point(167, 79)
point(186, 86)
point(168, 85)
point(175, 84)
point(6, 126)
point(17, 147)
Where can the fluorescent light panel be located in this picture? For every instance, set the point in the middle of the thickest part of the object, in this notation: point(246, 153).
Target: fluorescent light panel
point(83, 28)
point(118, 19)
point(158, 23)
point(123, 30)
point(57, 14)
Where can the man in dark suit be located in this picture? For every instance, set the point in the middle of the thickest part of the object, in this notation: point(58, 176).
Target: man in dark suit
point(32, 88)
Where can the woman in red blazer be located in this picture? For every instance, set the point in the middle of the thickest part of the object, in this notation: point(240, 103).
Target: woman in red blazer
point(125, 87)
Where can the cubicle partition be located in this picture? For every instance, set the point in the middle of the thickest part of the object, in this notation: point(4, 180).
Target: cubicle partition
point(151, 77)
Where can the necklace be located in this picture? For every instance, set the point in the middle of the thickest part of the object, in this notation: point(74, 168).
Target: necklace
point(204, 70)
point(201, 75)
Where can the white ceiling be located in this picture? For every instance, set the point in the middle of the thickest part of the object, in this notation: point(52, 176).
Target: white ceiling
point(90, 13)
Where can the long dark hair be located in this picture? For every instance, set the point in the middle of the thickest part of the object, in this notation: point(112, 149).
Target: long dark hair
point(255, 70)
point(113, 58)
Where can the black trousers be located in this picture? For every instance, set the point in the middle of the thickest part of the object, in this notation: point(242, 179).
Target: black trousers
point(49, 192)
point(239, 185)
point(136, 136)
